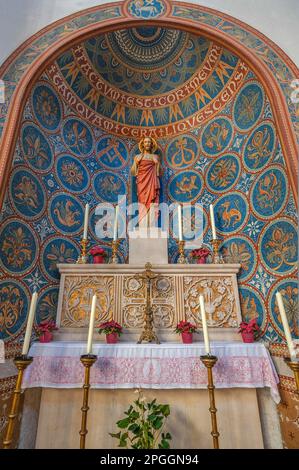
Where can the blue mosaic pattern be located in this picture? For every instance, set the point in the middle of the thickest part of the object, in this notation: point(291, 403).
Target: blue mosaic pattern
point(269, 192)
point(186, 186)
point(27, 194)
point(217, 136)
point(259, 147)
point(77, 137)
point(37, 152)
point(72, 173)
point(112, 153)
point(223, 173)
point(248, 106)
point(289, 291)
point(182, 152)
point(47, 107)
point(18, 247)
point(14, 304)
point(248, 143)
point(231, 212)
point(57, 250)
point(279, 247)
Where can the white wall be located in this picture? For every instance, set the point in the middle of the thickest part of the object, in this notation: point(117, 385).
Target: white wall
point(277, 19)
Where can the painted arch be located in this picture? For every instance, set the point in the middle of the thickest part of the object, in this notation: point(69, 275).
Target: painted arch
point(267, 73)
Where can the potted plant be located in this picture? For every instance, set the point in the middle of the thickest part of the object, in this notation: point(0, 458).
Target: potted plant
point(143, 426)
point(112, 330)
point(186, 329)
point(200, 255)
point(44, 330)
point(249, 330)
point(98, 253)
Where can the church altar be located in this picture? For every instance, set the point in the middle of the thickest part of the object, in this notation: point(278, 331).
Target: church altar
point(170, 372)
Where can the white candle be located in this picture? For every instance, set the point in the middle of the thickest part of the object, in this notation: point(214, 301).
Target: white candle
point(180, 222)
point(285, 326)
point(91, 324)
point(213, 221)
point(29, 324)
point(86, 215)
point(115, 223)
point(204, 324)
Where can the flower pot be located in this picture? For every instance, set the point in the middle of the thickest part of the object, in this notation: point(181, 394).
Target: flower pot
point(98, 259)
point(187, 338)
point(201, 260)
point(46, 337)
point(247, 337)
point(112, 338)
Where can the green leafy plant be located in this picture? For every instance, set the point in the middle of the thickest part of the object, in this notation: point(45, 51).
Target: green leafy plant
point(143, 426)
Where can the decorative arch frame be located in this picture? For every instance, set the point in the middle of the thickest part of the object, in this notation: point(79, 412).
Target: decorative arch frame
point(272, 66)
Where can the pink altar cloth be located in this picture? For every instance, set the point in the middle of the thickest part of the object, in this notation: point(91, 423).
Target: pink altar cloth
point(164, 366)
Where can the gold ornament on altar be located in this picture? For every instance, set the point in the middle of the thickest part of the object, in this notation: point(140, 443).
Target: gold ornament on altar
point(148, 335)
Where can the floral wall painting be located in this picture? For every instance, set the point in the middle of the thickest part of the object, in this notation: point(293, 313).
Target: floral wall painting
point(219, 141)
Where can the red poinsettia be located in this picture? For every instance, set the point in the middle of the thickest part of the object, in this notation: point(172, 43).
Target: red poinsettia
point(110, 327)
point(97, 251)
point(200, 253)
point(45, 326)
point(185, 327)
point(249, 327)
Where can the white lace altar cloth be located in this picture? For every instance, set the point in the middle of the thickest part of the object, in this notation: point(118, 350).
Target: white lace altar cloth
point(164, 366)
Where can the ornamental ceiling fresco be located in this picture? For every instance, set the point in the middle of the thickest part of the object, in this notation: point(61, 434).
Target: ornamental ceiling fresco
point(163, 79)
point(217, 140)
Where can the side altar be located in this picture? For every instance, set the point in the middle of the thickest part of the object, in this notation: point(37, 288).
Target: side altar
point(121, 295)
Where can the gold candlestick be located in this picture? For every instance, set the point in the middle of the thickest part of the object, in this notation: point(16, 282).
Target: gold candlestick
point(217, 258)
point(294, 366)
point(209, 362)
point(182, 258)
point(115, 245)
point(82, 259)
point(87, 360)
point(21, 363)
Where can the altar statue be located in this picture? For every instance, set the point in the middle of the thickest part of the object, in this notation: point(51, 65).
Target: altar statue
point(147, 169)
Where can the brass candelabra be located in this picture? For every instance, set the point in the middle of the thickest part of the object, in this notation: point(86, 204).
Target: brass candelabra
point(88, 361)
point(182, 258)
point(21, 363)
point(148, 335)
point(294, 366)
point(115, 245)
point(209, 362)
point(82, 259)
point(217, 258)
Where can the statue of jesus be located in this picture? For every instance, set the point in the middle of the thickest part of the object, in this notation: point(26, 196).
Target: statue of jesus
point(147, 169)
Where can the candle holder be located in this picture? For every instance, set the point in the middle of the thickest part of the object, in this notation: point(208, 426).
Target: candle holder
point(21, 363)
point(294, 366)
point(209, 362)
point(82, 259)
point(217, 258)
point(88, 361)
point(182, 258)
point(115, 245)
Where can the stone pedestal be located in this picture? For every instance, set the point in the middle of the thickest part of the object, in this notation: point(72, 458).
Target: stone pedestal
point(148, 245)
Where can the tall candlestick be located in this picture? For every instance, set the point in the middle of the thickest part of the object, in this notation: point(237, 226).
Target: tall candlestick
point(86, 215)
point(213, 222)
point(115, 223)
point(29, 324)
point(285, 326)
point(204, 324)
point(180, 223)
point(91, 324)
